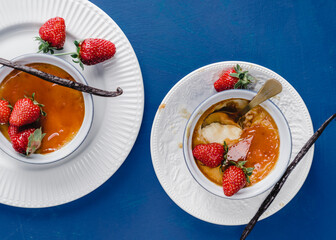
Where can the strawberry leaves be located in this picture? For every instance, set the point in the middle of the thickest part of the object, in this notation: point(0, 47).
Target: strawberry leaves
point(233, 78)
point(244, 77)
point(34, 141)
point(224, 162)
point(76, 55)
point(248, 171)
point(43, 113)
point(44, 46)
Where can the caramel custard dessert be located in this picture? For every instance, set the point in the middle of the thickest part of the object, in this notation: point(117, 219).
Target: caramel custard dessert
point(64, 106)
point(256, 140)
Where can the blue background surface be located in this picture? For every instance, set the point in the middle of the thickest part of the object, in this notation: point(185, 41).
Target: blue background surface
point(296, 39)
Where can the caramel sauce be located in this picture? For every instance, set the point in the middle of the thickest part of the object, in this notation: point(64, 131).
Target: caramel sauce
point(263, 150)
point(64, 106)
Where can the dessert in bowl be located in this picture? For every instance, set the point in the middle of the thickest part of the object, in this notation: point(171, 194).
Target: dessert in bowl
point(262, 141)
point(69, 113)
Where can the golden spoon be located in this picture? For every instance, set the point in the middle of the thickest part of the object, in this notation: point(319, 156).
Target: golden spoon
point(271, 88)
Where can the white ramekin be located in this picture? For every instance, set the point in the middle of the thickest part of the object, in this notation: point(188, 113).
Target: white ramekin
point(285, 148)
point(70, 147)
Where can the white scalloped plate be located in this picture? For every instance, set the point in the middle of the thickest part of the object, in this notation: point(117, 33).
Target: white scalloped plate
point(116, 121)
point(167, 154)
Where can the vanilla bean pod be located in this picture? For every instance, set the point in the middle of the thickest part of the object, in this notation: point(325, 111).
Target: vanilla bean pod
point(269, 199)
point(62, 81)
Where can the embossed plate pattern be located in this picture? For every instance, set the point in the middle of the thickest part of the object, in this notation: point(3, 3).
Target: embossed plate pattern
point(167, 154)
point(116, 121)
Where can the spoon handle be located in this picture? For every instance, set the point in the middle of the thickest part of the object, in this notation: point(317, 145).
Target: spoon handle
point(271, 88)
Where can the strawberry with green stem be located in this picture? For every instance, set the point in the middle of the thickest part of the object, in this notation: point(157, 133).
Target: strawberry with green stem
point(233, 78)
point(26, 111)
point(52, 35)
point(25, 140)
point(235, 177)
point(91, 51)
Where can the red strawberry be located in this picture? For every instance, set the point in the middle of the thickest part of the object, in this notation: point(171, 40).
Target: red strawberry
point(25, 111)
point(20, 141)
point(52, 35)
point(25, 141)
point(233, 78)
point(211, 154)
point(235, 177)
point(12, 130)
point(93, 50)
point(5, 111)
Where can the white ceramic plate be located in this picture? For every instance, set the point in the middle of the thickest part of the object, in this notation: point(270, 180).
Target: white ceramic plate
point(167, 153)
point(116, 121)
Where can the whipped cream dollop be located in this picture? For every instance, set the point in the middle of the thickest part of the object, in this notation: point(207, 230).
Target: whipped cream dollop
point(216, 132)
